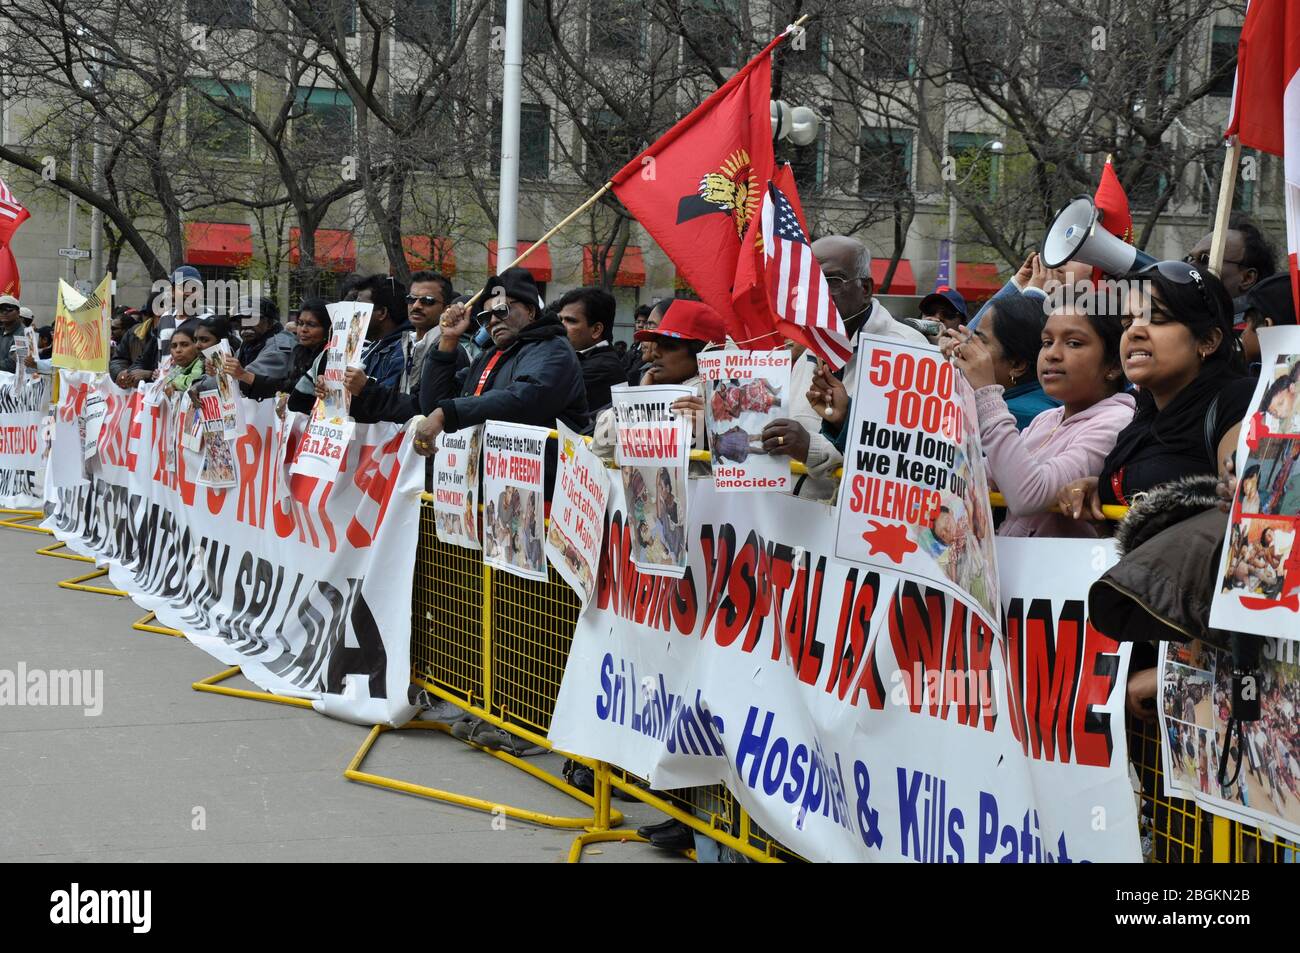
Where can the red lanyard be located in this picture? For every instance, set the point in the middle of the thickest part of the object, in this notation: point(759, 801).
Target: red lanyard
point(482, 381)
point(1117, 486)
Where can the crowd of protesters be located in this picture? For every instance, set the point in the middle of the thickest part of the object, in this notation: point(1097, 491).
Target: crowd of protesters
point(1078, 407)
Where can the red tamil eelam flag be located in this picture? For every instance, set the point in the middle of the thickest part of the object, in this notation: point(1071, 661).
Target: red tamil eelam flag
point(799, 295)
point(1265, 113)
point(12, 214)
point(697, 188)
point(1112, 201)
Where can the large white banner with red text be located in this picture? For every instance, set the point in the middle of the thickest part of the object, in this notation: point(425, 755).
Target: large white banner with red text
point(857, 716)
point(24, 403)
point(310, 595)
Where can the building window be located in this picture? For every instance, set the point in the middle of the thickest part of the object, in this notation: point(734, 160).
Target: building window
point(889, 44)
point(221, 14)
point(1062, 54)
point(428, 22)
point(325, 120)
point(805, 163)
point(537, 32)
point(327, 285)
point(1243, 195)
point(615, 28)
point(609, 146)
point(884, 163)
point(1223, 58)
point(534, 141)
point(337, 17)
point(208, 127)
point(1151, 182)
point(713, 25)
point(978, 48)
point(976, 166)
point(806, 54)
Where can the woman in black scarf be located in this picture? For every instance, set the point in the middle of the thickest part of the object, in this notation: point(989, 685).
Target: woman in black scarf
point(1178, 348)
point(313, 331)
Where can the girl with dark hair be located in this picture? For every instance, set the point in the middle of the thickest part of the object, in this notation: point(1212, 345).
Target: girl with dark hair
point(305, 361)
point(187, 359)
point(1011, 334)
point(1078, 364)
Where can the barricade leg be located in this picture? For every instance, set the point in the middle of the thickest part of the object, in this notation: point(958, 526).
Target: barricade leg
point(54, 550)
point(740, 844)
point(144, 625)
point(78, 584)
point(21, 520)
point(601, 810)
point(212, 684)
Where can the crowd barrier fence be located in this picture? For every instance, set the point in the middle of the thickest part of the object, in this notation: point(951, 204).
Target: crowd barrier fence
point(495, 645)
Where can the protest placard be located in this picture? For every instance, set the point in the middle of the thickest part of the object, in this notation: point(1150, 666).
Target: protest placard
point(455, 487)
point(914, 499)
point(577, 515)
point(81, 327)
point(744, 392)
point(218, 460)
point(348, 323)
point(1259, 569)
point(514, 508)
point(654, 446)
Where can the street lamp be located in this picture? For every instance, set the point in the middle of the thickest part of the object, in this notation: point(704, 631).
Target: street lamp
point(994, 146)
point(799, 124)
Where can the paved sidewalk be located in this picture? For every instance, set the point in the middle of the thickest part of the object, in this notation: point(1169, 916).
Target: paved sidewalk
point(266, 781)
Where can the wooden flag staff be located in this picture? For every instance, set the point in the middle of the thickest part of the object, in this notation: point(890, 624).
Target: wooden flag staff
point(595, 197)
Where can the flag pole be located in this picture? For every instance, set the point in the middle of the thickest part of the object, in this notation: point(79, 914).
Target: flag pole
point(1227, 186)
point(595, 197)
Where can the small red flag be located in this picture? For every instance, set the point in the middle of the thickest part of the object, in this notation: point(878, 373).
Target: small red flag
point(1112, 201)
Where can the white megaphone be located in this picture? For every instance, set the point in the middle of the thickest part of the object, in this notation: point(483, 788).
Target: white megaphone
point(1076, 234)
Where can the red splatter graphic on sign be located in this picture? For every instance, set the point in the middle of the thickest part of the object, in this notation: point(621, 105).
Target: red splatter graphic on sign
point(891, 540)
point(1259, 604)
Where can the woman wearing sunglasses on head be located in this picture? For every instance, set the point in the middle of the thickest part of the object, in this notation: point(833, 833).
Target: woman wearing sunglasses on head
point(1178, 349)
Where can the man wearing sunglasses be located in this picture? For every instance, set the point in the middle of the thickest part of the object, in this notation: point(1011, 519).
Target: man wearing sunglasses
point(1247, 258)
point(10, 326)
point(529, 374)
point(428, 299)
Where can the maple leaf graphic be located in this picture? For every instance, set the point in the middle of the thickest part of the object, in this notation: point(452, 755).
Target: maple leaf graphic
point(889, 539)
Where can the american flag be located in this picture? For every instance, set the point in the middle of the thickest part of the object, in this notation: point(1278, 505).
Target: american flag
point(796, 285)
point(12, 214)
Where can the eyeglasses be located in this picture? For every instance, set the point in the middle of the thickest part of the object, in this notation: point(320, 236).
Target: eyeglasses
point(483, 317)
point(836, 283)
point(1203, 260)
point(427, 300)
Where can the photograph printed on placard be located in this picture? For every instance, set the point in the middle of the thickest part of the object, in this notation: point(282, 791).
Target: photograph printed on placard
point(1258, 553)
point(1186, 694)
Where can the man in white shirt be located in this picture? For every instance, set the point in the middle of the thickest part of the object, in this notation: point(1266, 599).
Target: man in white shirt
point(846, 263)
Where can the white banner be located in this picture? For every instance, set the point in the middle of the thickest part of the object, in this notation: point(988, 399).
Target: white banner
point(654, 447)
point(914, 498)
point(24, 403)
point(577, 515)
point(1195, 688)
point(455, 487)
point(744, 392)
point(855, 715)
point(514, 504)
point(1259, 570)
point(310, 597)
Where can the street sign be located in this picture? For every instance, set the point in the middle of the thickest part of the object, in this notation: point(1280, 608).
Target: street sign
point(73, 253)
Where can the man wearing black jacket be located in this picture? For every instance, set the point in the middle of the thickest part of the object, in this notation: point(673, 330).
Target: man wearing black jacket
point(588, 318)
point(267, 349)
point(529, 374)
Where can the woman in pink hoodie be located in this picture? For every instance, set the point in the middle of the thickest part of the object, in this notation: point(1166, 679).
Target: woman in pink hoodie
point(1079, 365)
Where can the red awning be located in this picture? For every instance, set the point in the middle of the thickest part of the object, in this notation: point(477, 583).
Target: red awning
point(631, 269)
point(217, 243)
point(904, 282)
point(335, 249)
point(538, 263)
point(425, 253)
point(977, 281)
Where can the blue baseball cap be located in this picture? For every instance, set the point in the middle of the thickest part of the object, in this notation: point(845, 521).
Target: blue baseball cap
point(186, 273)
point(950, 296)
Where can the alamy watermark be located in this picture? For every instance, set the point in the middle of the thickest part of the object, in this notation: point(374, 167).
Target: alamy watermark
point(53, 688)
